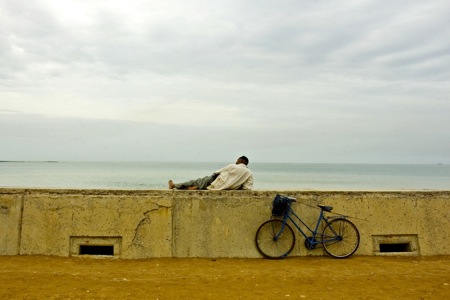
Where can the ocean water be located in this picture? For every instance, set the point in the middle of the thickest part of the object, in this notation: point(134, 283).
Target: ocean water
point(267, 176)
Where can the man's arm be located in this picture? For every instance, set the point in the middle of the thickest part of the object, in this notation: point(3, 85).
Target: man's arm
point(223, 169)
point(248, 184)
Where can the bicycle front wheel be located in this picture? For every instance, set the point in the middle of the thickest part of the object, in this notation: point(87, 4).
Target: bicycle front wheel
point(275, 239)
point(341, 238)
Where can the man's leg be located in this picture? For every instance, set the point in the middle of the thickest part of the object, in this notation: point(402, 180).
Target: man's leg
point(199, 183)
point(203, 183)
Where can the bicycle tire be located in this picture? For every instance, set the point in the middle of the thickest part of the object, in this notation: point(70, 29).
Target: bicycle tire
point(270, 246)
point(347, 235)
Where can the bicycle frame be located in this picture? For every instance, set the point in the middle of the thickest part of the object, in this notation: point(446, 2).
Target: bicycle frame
point(313, 241)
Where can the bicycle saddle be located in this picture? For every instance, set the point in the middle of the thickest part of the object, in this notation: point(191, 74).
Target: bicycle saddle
point(325, 207)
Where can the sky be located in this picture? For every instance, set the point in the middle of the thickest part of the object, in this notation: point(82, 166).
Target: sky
point(349, 81)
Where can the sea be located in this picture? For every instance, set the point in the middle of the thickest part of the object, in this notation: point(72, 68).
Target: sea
point(267, 176)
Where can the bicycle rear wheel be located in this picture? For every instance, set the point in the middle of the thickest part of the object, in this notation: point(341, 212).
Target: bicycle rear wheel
point(343, 236)
point(275, 240)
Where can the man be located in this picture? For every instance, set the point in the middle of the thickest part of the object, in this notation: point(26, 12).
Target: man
point(232, 177)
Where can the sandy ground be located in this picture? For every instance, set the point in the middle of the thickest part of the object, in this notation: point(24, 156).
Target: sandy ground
point(358, 277)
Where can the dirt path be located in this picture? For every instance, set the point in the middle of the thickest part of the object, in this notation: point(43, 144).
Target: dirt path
point(359, 277)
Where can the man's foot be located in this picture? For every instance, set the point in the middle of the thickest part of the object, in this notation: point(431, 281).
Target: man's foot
point(171, 184)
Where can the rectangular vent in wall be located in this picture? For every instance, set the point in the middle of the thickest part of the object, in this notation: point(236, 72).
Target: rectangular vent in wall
point(96, 250)
point(96, 246)
point(405, 244)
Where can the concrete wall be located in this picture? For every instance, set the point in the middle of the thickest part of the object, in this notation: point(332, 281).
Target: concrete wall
point(159, 223)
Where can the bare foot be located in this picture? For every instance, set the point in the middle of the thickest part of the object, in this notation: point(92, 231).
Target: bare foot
point(171, 184)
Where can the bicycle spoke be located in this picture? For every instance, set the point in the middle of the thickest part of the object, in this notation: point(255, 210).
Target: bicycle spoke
point(343, 236)
point(275, 240)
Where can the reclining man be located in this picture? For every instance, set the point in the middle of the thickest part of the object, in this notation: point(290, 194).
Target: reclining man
point(232, 177)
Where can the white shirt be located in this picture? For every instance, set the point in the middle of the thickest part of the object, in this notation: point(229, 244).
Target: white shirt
point(233, 177)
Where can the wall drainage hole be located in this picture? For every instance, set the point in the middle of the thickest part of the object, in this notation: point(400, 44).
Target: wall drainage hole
point(96, 250)
point(401, 247)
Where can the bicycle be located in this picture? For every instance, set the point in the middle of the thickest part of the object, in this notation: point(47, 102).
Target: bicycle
point(275, 238)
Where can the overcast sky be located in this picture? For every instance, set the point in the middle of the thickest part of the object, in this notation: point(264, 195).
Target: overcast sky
point(363, 81)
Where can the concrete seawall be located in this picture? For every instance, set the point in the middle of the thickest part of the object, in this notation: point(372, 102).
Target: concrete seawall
point(165, 223)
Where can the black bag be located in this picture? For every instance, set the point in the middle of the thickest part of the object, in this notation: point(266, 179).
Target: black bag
point(280, 205)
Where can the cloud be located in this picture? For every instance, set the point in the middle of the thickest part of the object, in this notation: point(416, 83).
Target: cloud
point(293, 80)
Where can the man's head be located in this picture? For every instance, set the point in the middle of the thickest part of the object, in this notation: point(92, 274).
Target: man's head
point(242, 160)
